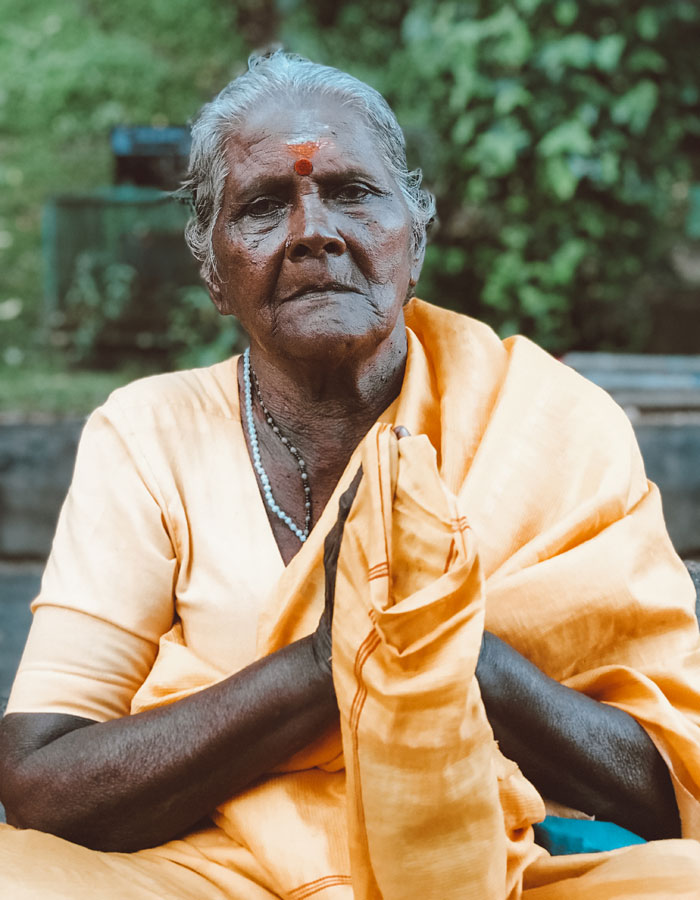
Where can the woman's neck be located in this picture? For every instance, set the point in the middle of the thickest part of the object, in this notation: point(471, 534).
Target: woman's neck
point(323, 408)
point(327, 406)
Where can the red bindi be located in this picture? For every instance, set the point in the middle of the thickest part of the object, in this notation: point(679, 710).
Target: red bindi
point(304, 153)
point(303, 166)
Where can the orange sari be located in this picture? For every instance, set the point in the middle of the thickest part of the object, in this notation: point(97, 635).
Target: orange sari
point(521, 506)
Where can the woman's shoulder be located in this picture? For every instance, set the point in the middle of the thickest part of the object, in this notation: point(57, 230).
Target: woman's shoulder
point(437, 326)
point(515, 359)
point(558, 379)
point(206, 391)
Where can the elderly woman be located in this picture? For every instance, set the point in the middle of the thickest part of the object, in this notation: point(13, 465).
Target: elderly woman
point(380, 516)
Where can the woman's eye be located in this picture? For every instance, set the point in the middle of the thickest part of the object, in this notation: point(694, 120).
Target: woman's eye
point(353, 192)
point(263, 206)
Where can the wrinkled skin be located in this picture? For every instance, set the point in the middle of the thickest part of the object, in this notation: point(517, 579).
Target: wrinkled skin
point(318, 267)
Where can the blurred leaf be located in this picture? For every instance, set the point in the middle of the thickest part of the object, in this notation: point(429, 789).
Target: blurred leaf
point(496, 150)
point(565, 261)
point(568, 137)
point(538, 303)
point(645, 59)
point(509, 95)
point(649, 23)
point(573, 50)
point(635, 108)
point(608, 51)
point(566, 12)
point(560, 178)
point(528, 6)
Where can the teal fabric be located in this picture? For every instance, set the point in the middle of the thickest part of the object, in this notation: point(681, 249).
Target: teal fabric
point(563, 836)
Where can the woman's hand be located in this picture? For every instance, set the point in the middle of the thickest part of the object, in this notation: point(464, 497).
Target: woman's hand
point(321, 638)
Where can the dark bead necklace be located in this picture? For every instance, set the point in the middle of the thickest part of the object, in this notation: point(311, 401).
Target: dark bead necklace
point(293, 450)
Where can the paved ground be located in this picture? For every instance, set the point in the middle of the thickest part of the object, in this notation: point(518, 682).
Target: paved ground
point(18, 586)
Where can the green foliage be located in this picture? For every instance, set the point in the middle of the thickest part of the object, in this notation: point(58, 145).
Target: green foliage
point(559, 136)
point(41, 391)
point(99, 294)
point(69, 71)
point(693, 222)
point(561, 139)
point(196, 314)
point(109, 320)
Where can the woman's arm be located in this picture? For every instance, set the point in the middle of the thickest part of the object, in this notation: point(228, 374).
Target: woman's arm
point(141, 780)
point(575, 750)
point(144, 779)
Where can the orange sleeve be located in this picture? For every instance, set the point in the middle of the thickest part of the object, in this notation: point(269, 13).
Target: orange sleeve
point(107, 592)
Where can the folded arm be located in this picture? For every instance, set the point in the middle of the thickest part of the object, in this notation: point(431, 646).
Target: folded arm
point(141, 780)
point(574, 749)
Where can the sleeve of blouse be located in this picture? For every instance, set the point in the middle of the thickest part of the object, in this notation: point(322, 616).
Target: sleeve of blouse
point(107, 593)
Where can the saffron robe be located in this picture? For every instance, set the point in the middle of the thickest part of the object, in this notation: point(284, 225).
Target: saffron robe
point(520, 505)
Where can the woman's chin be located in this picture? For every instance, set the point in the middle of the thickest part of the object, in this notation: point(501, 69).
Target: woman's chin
point(332, 347)
point(332, 331)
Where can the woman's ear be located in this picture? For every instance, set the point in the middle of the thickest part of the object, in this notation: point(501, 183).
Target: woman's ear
point(214, 287)
point(214, 290)
point(417, 263)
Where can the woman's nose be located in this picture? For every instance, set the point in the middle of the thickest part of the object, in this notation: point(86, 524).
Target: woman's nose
point(311, 232)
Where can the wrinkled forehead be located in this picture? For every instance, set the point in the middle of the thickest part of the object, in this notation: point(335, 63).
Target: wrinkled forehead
point(323, 130)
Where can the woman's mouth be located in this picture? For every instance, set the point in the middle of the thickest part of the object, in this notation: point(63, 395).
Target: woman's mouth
point(316, 290)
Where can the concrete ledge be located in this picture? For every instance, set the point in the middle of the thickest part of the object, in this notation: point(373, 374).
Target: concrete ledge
point(671, 451)
point(36, 466)
point(646, 381)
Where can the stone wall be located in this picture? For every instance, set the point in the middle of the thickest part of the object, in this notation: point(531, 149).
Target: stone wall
point(670, 445)
point(36, 464)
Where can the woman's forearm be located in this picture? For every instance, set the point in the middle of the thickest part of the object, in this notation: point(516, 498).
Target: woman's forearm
point(575, 750)
point(141, 780)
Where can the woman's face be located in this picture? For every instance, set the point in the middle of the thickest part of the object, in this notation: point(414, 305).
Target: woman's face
point(315, 260)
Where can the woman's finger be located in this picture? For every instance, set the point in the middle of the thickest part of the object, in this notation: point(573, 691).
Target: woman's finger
point(348, 496)
point(331, 547)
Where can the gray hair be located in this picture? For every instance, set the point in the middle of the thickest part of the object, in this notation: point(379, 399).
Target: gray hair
point(269, 77)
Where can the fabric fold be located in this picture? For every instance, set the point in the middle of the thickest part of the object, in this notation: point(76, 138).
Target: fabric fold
point(424, 810)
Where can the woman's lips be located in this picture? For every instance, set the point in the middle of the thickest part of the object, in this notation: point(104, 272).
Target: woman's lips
point(316, 289)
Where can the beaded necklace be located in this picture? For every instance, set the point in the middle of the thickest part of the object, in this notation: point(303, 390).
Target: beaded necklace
point(257, 462)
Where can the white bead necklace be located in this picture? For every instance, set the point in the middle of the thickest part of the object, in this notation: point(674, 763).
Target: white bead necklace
point(257, 462)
